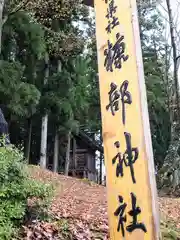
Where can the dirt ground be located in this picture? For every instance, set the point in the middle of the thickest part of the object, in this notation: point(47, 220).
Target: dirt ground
point(83, 204)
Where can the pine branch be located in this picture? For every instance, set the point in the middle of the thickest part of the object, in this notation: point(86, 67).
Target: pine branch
point(15, 10)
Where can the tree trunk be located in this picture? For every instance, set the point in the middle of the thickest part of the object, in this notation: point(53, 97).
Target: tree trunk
point(56, 152)
point(1, 21)
point(28, 143)
point(74, 156)
point(44, 126)
point(176, 104)
point(169, 175)
point(44, 141)
point(68, 153)
point(56, 141)
point(100, 169)
point(166, 83)
point(30, 120)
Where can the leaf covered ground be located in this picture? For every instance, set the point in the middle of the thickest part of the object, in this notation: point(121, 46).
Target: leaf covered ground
point(78, 211)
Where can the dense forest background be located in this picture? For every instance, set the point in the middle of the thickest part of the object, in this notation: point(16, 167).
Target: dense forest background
point(49, 80)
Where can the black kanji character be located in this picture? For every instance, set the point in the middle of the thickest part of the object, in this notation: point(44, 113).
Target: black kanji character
point(114, 97)
point(119, 50)
point(120, 211)
point(111, 9)
point(115, 22)
point(129, 158)
point(125, 98)
point(115, 54)
point(119, 167)
point(112, 24)
point(108, 63)
point(134, 213)
point(112, 20)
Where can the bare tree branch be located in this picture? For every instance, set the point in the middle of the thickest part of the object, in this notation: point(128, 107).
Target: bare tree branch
point(175, 72)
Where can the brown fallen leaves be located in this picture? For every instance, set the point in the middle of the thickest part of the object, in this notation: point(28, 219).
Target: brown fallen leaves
point(170, 208)
point(74, 230)
point(41, 230)
point(79, 210)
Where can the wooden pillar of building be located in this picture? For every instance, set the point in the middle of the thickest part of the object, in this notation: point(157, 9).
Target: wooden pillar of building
point(100, 168)
point(74, 156)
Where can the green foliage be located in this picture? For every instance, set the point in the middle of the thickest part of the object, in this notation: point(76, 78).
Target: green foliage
point(20, 97)
point(153, 46)
point(64, 229)
point(157, 102)
point(63, 225)
point(63, 39)
point(66, 95)
point(15, 190)
point(71, 97)
point(169, 231)
point(24, 37)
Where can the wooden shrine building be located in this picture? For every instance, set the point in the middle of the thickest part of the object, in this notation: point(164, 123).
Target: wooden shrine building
point(83, 157)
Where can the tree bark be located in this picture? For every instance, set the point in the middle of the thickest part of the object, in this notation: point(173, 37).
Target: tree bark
point(30, 120)
point(67, 162)
point(56, 152)
point(1, 22)
point(56, 141)
point(169, 175)
point(44, 127)
point(166, 83)
point(176, 104)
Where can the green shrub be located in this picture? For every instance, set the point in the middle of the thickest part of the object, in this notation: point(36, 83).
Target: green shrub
point(169, 230)
point(16, 188)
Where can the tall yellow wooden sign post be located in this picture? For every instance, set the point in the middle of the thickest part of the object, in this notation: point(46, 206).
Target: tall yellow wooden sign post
point(131, 188)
